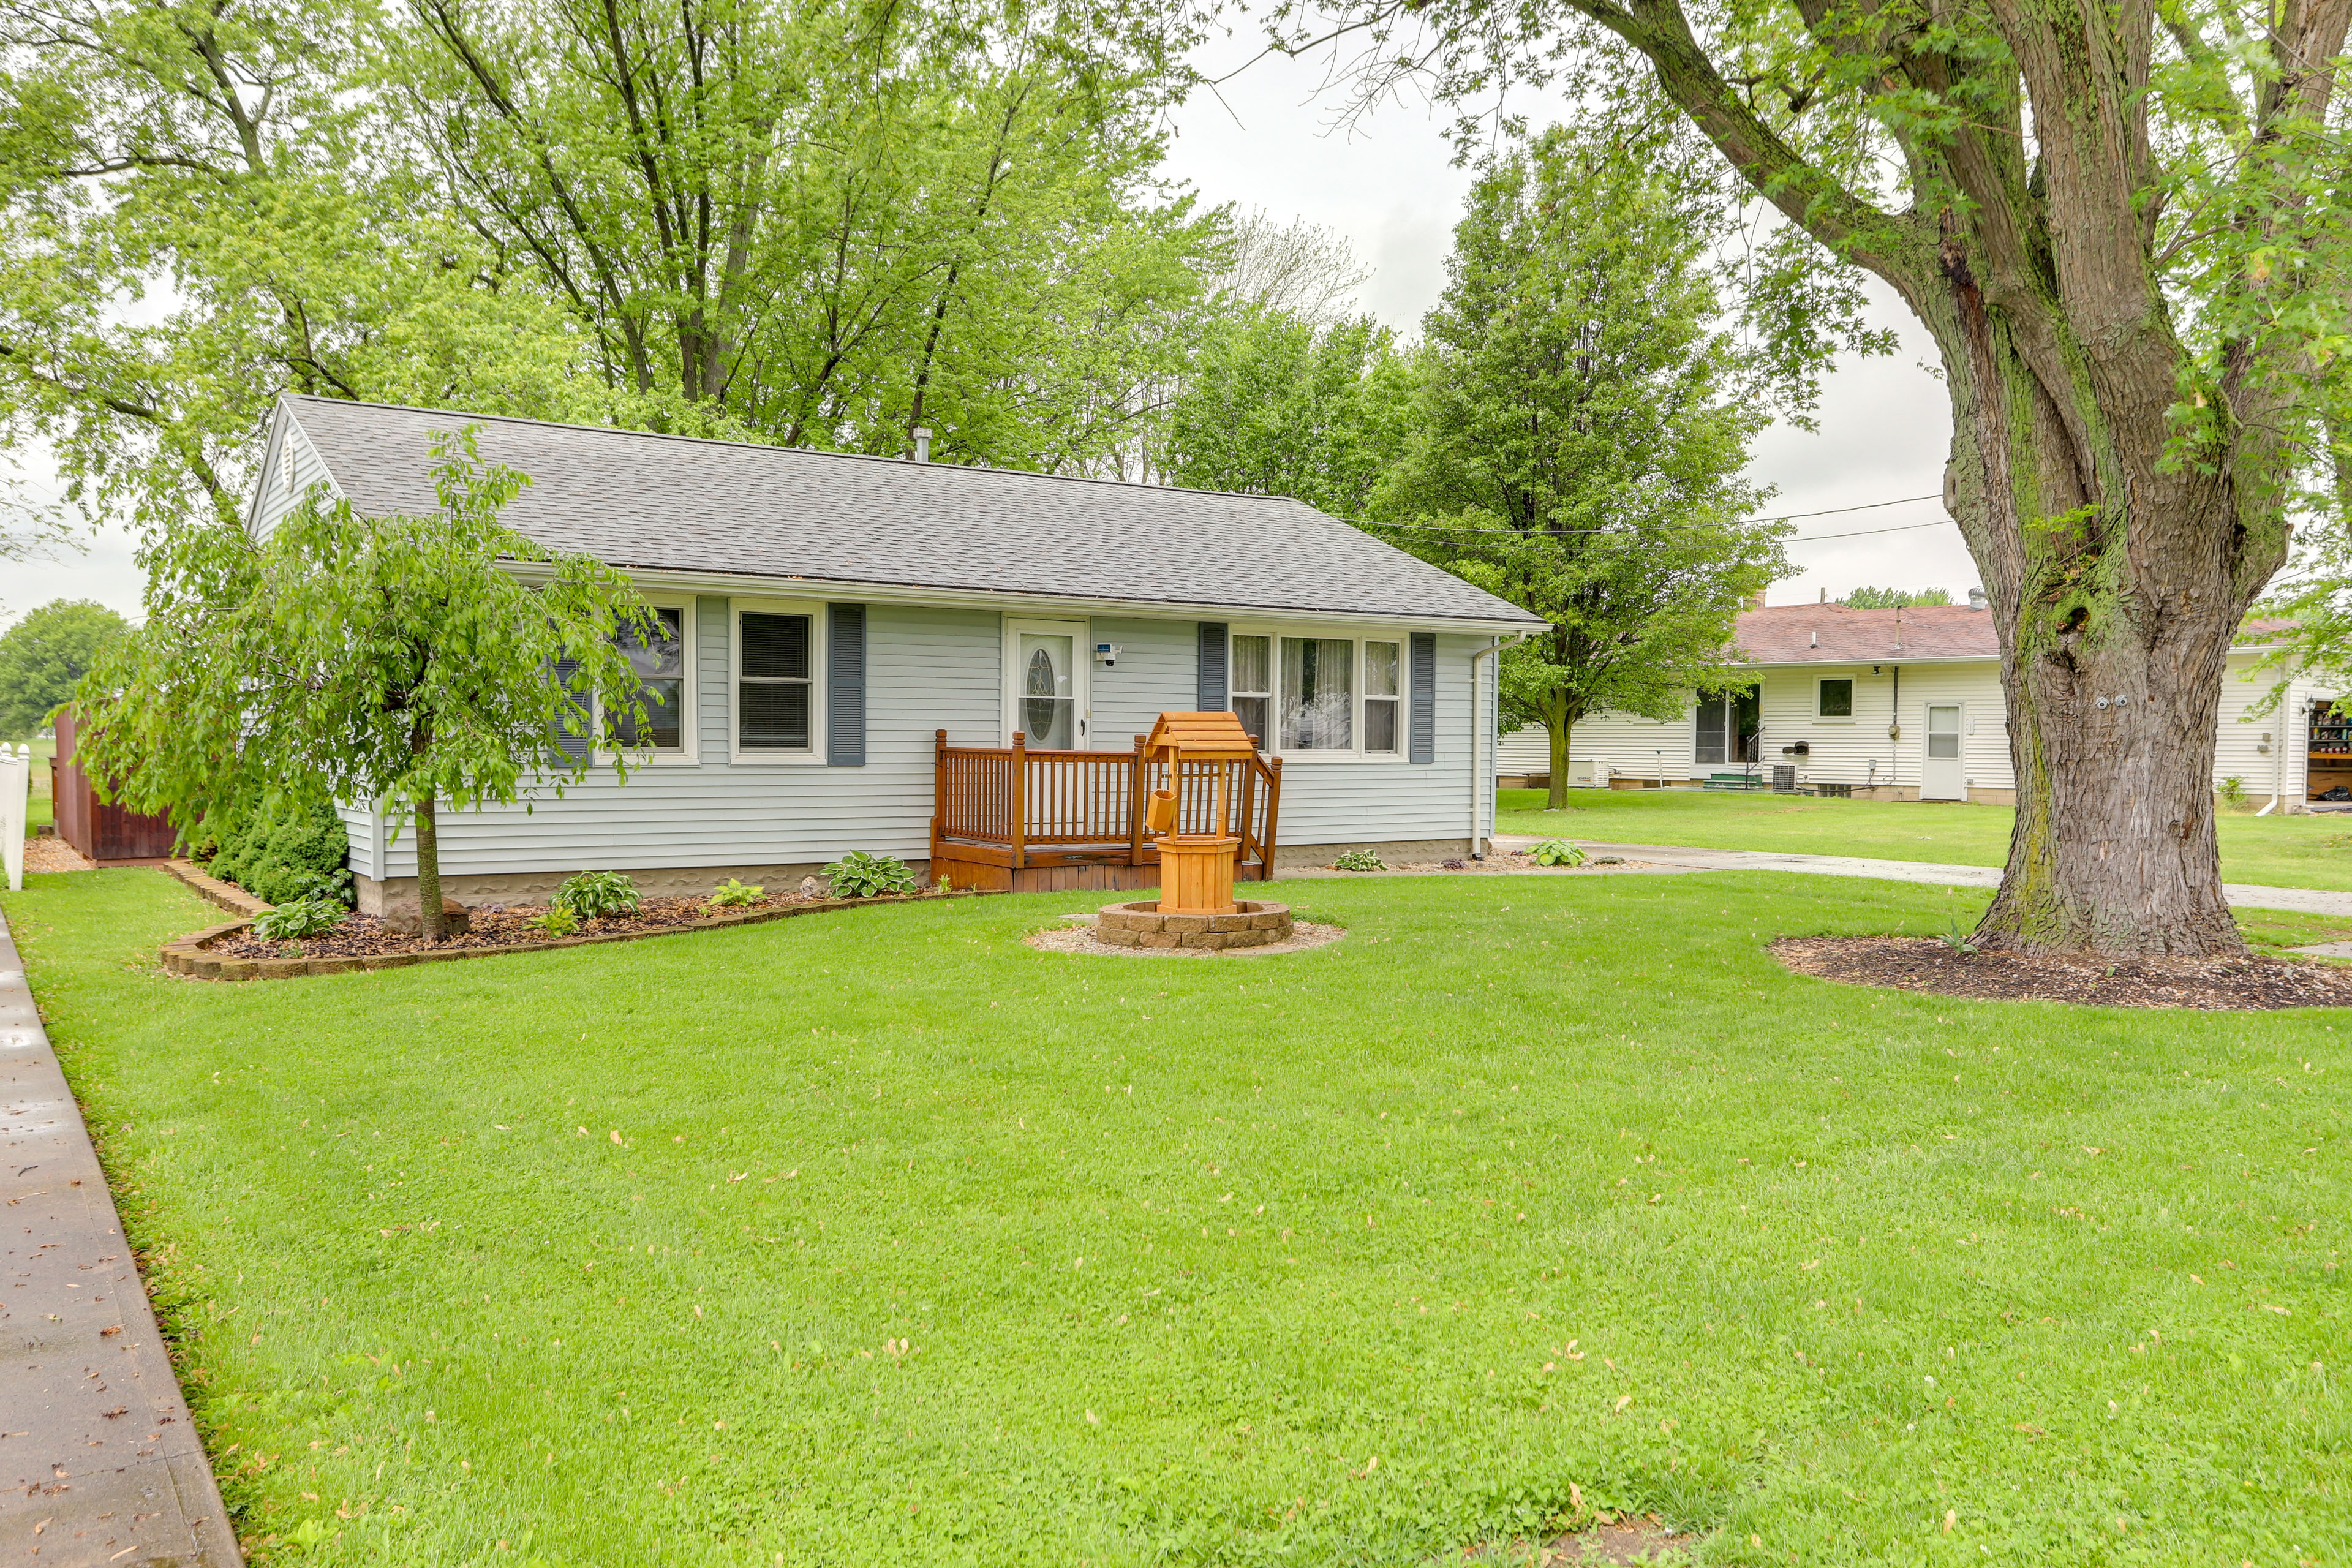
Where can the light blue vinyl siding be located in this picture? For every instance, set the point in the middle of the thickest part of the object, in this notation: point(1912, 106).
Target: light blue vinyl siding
point(1154, 675)
point(929, 668)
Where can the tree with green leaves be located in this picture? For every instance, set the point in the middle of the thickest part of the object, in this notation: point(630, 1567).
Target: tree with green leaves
point(2129, 232)
point(402, 660)
point(1893, 598)
point(820, 224)
point(1274, 404)
point(42, 655)
point(1579, 433)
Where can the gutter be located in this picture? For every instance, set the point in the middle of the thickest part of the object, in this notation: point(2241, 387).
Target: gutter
point(1480, 802)
point(745, 585)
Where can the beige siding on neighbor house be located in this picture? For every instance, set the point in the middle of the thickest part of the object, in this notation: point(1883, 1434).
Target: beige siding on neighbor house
point(1628, 745)
point(2265, 752)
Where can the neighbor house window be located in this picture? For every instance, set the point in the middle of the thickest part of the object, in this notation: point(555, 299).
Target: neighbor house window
point(1319, 698)
point(1250, 686)
point(772, 682)
point(1837, 699)
point(657, 653)
point(1380, 727)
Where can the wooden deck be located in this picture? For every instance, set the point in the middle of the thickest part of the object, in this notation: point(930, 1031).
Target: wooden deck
point(1011, 819)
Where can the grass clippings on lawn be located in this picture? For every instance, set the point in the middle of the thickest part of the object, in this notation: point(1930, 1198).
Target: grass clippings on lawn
point(2259, 984)
point(1079, 937)
point(1623, 1542)
point(880, 1239)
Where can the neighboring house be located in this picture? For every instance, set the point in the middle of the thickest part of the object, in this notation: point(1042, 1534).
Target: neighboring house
point(828, 616)
point(1907, 705)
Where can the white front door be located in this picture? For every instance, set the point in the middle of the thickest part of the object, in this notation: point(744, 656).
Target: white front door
point(1045, 683)
point(1943, 772)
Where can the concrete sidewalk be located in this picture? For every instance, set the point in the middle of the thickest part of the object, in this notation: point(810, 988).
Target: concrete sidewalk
point(2301, 900)
point(99, 1460)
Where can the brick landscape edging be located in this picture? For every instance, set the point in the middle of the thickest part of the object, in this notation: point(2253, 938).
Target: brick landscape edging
point(1140, 924)
point(211, 889)
point(187, 955)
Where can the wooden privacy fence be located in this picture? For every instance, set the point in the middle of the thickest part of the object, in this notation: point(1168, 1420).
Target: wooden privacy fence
point(1033, 820)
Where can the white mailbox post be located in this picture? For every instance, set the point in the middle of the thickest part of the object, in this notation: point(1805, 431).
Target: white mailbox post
point(16, 790)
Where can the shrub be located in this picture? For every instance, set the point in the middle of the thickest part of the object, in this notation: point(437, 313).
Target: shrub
point(284, 852)
point(1557, 852)
point(858, 875)
point(731, 894)
point(301, 918)
point(597, 895)
point(1360, 860)
point(2233, 793)
point(556, 921)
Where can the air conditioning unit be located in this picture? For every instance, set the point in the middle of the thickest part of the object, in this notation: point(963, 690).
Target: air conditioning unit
point(1588, 774)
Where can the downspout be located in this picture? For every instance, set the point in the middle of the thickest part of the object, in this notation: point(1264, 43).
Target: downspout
point(2289, 716)
point(1479, 805)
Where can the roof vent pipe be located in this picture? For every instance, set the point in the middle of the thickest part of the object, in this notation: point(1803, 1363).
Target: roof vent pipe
point(922, 443)
point(1976, 598)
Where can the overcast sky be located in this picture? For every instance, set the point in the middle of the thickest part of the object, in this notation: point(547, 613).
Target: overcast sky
point(1388, 184)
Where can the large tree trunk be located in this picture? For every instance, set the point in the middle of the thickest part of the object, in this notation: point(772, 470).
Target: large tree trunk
point(1559, 724)
point(2118, 581)
point(428, 873)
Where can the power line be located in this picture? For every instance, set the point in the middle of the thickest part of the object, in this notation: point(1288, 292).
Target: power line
point(1745, 523)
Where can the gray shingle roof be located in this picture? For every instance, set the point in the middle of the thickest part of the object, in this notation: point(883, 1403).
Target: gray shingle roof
point(676, 503)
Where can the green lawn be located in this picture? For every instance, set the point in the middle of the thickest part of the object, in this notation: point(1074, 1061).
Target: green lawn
point(878, 1238)
point(2274, 851)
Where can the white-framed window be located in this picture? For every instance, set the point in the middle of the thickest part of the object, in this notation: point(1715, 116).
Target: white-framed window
point(1384, 698)
point(1307, 695)
point(1249, 667)
point(1835, 697)
point(663, 660)
point(776, 696)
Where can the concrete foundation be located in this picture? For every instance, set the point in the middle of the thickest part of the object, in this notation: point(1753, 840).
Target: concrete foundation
point(533, 886)
point(1396, 851)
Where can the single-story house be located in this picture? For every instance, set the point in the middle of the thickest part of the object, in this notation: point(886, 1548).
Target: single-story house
point(1906, 704)
point(843, 633)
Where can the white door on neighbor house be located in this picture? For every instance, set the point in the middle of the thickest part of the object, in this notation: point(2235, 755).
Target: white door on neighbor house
point(1046, 682)
point(1943, 772)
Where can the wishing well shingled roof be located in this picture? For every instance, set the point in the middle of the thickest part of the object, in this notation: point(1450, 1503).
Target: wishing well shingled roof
point(664, 502)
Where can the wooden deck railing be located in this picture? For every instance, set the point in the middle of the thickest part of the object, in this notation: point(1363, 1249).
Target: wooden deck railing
point(1021, 807)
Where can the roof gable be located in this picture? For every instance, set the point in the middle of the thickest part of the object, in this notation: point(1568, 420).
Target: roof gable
point(652, 503)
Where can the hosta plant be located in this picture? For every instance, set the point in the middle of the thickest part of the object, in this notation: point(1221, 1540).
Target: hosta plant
point(1556, 852)
point(304, 917)
point(858, 875)
point(731, 894)
point(1360, 860)
point(597, 895)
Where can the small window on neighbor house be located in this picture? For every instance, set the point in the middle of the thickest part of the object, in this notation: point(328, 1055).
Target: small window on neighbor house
point(659, 658)
point(1381, 728)
point(1837, 699)
point(1250, 677)
point(772, 693)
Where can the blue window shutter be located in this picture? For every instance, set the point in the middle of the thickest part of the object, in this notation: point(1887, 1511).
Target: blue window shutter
point(1422, 703)
point(568, 735)
point(1211, 678)
point(845, 685)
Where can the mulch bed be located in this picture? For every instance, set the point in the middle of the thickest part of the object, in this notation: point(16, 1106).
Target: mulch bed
point(1079, 937)
point(494, 926)
point(2209, 984)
